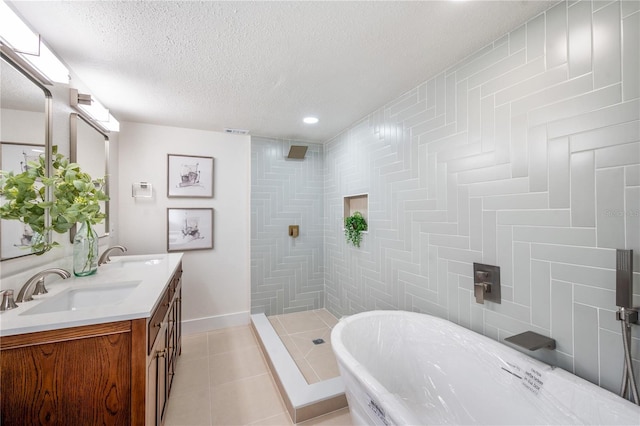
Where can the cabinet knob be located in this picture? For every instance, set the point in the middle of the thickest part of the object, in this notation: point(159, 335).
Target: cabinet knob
point(162, 353)
point(157, 325)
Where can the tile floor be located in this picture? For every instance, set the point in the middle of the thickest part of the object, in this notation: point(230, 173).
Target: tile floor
point(297, 331)
point(222, 379)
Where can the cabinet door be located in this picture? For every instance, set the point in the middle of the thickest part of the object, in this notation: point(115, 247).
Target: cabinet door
point(175, 333)
point(179, 320)
point(83, 381)
point(171, 349)
point(161, 374)
point(156, 379)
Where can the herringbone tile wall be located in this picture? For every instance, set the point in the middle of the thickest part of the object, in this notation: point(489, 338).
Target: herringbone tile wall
point(525, 155)
point(287, 274)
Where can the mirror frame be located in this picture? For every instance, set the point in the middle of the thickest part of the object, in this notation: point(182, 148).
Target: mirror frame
point(24, 68)
point(73, 137)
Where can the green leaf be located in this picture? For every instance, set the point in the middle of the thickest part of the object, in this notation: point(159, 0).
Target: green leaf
point(25, 197)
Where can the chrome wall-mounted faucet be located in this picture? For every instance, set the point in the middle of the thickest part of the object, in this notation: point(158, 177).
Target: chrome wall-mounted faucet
point(486, 283)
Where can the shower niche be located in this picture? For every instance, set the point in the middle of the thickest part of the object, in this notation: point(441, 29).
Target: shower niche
point(356, 203)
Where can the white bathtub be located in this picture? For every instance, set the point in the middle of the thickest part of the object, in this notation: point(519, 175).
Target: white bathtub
point(403, 368)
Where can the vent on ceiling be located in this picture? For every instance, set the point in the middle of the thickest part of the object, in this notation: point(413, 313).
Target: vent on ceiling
point(297, 152)
point(236, 131)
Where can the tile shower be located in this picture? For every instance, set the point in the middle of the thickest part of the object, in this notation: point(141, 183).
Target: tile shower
point(287, 274)
point(525, 155)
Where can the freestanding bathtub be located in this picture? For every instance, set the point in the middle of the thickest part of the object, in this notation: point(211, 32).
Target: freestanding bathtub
point(404, 368)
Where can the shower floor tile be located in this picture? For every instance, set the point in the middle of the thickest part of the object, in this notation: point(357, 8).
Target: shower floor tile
point(297, 331)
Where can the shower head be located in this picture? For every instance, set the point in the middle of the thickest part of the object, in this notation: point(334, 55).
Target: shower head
point(297, 152)
point(624, 278)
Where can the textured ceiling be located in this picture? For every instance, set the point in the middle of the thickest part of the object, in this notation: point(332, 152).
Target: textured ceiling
point(18, 92)
point(263, 66)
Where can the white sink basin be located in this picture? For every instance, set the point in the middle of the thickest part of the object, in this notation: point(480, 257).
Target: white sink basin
point(136, 260)
point(75, 299)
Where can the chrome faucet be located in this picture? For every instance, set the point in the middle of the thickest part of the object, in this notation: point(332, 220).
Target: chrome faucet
point(37, 282)
point(105, 256)
point(7, 300)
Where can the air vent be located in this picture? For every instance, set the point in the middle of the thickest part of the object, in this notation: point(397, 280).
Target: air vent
point(236, 131)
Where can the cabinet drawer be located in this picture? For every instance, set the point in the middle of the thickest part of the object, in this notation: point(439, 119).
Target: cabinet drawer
point(155, 323)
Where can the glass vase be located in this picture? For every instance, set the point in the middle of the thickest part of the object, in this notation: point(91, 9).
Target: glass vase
point(85, 251)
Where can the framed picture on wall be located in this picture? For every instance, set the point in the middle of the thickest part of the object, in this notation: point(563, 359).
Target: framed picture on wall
point(189, 176)
point(189, 229)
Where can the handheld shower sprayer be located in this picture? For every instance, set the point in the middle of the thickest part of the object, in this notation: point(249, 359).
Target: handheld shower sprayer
point(627, 315)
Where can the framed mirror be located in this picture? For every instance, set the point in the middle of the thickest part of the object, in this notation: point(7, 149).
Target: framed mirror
point(90, 149)
point(25, 115)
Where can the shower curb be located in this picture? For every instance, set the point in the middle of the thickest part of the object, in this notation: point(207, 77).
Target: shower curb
point(303, 401)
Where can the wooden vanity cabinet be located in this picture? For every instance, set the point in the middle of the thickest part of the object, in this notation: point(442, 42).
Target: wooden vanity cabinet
point(75, 376)
point(110, 374)
point(164, 348)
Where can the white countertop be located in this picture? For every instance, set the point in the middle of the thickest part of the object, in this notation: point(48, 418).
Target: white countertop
point(150, 272)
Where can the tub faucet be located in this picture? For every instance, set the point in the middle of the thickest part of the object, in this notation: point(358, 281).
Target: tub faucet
point(37, 282)
point(105, 258)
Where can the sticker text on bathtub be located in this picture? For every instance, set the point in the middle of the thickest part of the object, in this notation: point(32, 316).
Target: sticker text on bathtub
point(378, 411)
point(532, 379)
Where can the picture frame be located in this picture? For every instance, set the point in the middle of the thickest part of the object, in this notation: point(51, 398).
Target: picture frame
point(189, 229)
point(189, 176)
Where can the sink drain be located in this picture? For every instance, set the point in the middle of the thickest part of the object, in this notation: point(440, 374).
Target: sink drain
point(318, 341)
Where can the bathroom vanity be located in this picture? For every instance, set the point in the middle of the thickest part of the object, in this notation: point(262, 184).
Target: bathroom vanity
point(95, 350)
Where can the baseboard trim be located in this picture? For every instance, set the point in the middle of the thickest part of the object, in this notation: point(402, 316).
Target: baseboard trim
point(202, 325)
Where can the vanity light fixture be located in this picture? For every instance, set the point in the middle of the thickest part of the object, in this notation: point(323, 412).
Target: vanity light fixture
point(27, 48)
point(15, 33)
point(48, 64)
point(91, 109)
point(112, 125)
point(310, 120)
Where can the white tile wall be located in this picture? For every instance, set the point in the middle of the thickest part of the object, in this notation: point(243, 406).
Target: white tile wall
point(287, 274)
point(525, 154)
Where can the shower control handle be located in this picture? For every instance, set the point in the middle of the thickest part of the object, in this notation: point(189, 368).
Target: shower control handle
point(486, 283)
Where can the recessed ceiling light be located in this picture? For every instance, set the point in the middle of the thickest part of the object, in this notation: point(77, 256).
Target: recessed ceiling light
point(310, 120)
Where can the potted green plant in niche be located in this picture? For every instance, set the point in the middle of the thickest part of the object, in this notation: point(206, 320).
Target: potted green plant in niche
point(354, 225)
point(76, 199)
